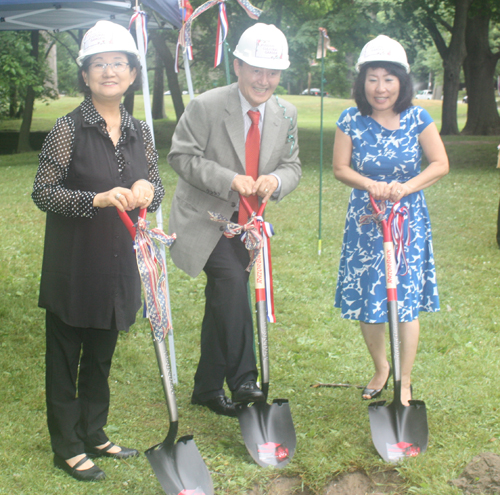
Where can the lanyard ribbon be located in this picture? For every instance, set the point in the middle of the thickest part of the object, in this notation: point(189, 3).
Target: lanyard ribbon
point(153, 271)
point(400, 230)
point(256, 235)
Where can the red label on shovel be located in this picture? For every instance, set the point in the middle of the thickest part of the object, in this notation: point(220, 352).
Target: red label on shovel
point(196, 491)
point(402, 449)
point(272, 453)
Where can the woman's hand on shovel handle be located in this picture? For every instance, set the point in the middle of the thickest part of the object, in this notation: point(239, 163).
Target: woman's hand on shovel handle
point(120, 197)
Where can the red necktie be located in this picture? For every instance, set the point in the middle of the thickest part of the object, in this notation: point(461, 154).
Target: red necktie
point(252, 150)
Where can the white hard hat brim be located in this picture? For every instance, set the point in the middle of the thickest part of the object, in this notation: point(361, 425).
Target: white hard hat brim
point(90, 53)
point(272, 64)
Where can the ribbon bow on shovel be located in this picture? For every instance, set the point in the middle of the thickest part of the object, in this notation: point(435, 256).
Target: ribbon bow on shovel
point(179, 466)
point(256, 235)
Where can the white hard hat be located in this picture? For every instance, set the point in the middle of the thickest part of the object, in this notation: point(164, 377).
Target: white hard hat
point(383, 49)
point(265, 46)
point(106, 36)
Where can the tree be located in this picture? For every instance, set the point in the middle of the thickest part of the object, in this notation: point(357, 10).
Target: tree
point(434, 16)
point(479, 70)
point(165, 55)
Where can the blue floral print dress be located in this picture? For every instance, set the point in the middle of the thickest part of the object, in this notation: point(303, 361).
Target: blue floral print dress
point(385, 155)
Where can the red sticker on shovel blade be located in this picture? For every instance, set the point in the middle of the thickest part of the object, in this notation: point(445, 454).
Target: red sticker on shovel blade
point(196, 491)
point(402, 449)
point(272, 453)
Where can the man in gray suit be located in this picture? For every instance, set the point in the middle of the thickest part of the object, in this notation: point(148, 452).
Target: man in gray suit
point(208, 153)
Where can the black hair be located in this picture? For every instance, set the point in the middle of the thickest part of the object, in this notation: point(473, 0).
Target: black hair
point(405, 86)
point(133, 64)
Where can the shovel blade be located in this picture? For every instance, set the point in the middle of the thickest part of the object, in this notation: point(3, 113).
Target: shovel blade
point(399, 431)
point(268, 432)
point(180, 468)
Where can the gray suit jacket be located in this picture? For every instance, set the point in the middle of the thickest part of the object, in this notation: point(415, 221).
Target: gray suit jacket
point(208, 150)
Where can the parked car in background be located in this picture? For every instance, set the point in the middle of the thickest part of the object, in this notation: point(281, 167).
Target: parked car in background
point(315, 92)
point(425, 94)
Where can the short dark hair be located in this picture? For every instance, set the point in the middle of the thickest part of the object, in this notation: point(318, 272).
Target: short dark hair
point(133, 64)
point(405, 86)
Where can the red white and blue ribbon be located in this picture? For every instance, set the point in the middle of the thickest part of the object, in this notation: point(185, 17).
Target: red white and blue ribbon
point(256, 235)
point(185, 39)
point(400, 229)
point(222, 27)
point(153, 272)
point(267, 233)
point(142, 16)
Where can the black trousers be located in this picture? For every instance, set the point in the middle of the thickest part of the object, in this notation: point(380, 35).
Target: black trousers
point(227, 350)
point(77, 412)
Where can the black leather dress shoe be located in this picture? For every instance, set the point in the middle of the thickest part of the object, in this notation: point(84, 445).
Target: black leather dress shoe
point(219, 404)
point(91, 474)
point(248, 392)
point(104, 452)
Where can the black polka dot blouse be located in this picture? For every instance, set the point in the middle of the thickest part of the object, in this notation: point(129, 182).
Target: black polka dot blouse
point(49, 192)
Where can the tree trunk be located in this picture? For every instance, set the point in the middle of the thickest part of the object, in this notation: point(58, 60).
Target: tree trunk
point(169, 63)
point(479, 69)
point(158, 109)
point(24, 134)
point(452, 63)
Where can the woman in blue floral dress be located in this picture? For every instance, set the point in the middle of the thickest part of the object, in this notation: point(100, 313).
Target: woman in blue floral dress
point(378, 151)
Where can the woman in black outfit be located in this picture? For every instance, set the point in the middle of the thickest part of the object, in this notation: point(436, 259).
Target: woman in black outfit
point(95, 159)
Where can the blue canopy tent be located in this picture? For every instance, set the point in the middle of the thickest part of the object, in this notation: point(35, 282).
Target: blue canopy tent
point(63, 15)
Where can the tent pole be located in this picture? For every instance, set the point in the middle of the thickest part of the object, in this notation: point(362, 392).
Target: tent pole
point(159, 217)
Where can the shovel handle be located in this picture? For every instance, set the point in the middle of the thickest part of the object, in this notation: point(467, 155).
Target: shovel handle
point(128, 222)
point(249, 209)
point(391, 283)
point(260, 305)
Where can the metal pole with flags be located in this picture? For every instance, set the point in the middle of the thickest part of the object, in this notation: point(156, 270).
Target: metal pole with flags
point(323, 46)
point(139, 18)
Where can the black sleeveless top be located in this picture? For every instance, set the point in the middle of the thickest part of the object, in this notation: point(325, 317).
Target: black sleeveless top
point(89, 272)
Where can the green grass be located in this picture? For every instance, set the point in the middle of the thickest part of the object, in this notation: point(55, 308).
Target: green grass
point(457, 366)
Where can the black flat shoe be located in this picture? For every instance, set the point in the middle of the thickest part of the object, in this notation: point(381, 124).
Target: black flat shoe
point(219, 404)
point(373, 393)
point(104, 452)
point(91, 474)
point(248, 392)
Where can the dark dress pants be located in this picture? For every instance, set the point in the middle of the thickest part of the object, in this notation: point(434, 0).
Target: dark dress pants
point(227, 349)
point(76, 414)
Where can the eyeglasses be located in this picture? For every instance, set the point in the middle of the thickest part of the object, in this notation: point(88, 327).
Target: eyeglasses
point(116, 67)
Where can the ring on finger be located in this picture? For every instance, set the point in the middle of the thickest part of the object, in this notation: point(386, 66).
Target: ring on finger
point(118, 196)
point(146, 198)
point(398, 191)
point(266, 190)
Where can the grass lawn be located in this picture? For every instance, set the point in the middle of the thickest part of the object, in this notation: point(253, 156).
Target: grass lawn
point(455, 374)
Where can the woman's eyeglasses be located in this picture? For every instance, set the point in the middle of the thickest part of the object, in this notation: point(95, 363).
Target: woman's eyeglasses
point(115, 66)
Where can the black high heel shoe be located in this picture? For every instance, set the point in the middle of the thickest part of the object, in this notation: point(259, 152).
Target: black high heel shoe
point(373, 393)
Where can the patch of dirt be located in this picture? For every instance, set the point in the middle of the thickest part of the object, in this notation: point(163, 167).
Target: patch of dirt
point(283, 486)
point(356, 483)
point(481, 476)
point(359, 483)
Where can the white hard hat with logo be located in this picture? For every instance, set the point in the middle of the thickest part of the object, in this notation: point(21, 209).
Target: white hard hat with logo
point(383, 49)
point(264, 46)
point(106, 36)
